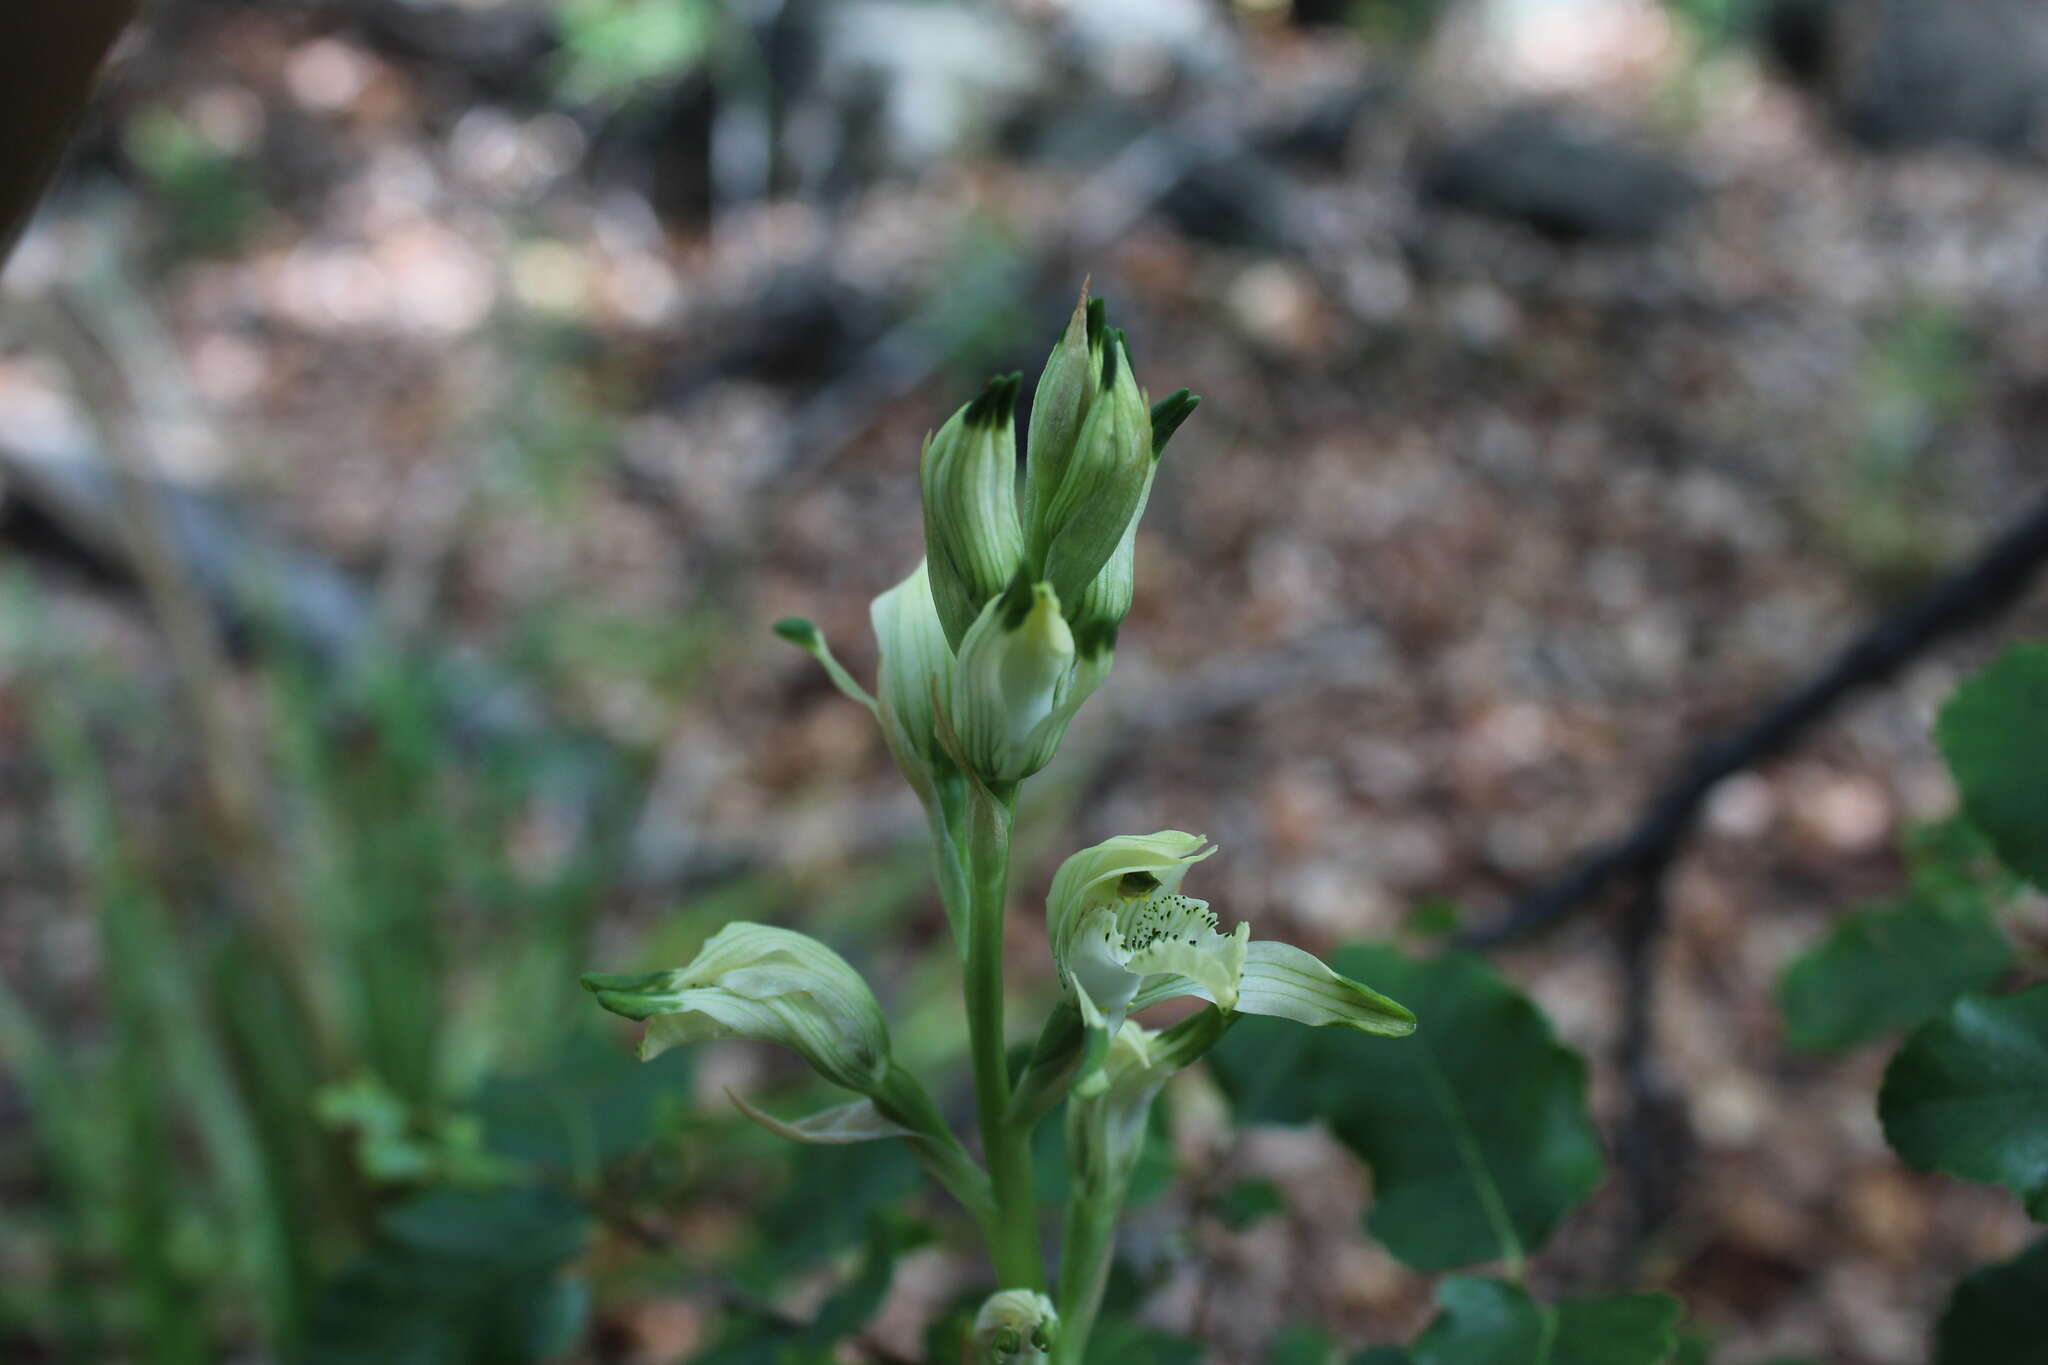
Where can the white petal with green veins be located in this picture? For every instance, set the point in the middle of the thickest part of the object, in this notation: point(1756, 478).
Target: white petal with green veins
point(1284, 982)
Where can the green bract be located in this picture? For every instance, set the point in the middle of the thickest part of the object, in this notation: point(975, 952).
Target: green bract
point(771, 985)
point(1107, 1110)
point(971, 533)
point(915, 661)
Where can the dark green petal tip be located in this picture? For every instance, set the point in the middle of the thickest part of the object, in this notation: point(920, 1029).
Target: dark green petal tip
point(1112, 351)
point(799, 632)
point(997, 402)
point(1098, 316)
point(1017, 600)
point(1093, 639)
point(1167, 415)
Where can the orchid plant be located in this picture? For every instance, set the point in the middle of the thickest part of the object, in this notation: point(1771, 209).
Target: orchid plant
point(988, 649)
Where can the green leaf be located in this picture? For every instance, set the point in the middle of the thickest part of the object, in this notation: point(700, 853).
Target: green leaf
point(1968, 1094)
point(456, 1278)
point(1490, 1322)
point(1302, 1346)
point(1998, 1315)
point(1889, 968)
point(1475, 1127)
point(1383, 1355)
point(1994, 733)
point(591, 1105)
point(1118, 1341)
point(826, 1206)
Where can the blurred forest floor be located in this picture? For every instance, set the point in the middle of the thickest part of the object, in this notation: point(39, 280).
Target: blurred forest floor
point(1480, 527)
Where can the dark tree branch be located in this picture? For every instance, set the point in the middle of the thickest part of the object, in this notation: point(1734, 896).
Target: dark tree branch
point(1654, 1145)
point(47, 65)
point(1975, 592)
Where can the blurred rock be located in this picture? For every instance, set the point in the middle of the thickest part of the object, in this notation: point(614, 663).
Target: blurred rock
point(1562, 175)
point(1904, 73)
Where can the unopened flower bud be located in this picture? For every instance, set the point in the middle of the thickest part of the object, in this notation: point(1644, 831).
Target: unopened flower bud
point(1078, 524)
point(1015, 1327)
point(1012, 683)
point(767, 984)
point(1067, 389)
point(1106, 601)
point(972, 536)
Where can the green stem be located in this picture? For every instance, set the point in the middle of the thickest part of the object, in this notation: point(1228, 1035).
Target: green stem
point(1087, 1238)
point(1014, 1243)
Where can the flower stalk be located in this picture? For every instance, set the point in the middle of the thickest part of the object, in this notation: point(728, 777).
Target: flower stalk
point(1006, 1147)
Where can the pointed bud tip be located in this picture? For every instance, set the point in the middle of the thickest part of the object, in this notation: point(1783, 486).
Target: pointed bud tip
point(996, 405)
point(1112, 350)
point(1168, 414)
point(800, 632)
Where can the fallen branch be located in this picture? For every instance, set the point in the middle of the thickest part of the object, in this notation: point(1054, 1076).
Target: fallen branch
point(1975, 592)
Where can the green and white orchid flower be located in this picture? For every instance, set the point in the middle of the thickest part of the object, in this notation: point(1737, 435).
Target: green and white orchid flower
point(1124, 938)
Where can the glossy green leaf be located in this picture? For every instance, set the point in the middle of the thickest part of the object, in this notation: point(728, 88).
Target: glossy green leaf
point(1475, 1127)
point(1490, 1322)
point(1998, 1315)
point(456, 1278)
point(1968, 1094)
point(1889, 968)
point(1994, 733)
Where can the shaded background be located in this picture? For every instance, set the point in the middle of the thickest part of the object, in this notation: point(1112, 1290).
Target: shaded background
point(411, 414)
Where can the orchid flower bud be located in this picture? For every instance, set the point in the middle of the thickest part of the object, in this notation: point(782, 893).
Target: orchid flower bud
point(1067, 389)
point(1106, 601)
point(1124, 939)
point(915, 660)
point(1077, 524)
point(971, 531)
point(1013, 692)
point(767, 984)
point(1015, 1327)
